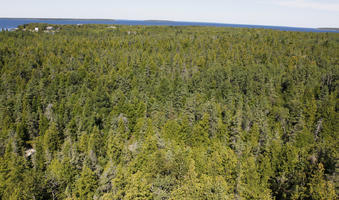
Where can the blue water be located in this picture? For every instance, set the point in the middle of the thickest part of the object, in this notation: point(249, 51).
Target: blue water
point(7, 23)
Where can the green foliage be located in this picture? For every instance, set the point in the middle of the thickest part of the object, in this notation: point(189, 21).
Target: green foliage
point(145, 112)
point(86, 184)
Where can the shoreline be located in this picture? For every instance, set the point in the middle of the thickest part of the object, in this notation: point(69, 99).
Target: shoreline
point(15, 22)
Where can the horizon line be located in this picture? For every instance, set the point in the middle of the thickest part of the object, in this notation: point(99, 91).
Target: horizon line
point(160, 20)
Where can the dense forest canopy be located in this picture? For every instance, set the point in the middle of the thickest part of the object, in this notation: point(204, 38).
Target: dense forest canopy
point(147, 112)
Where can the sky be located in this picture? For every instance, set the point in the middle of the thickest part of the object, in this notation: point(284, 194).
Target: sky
point(297, 13)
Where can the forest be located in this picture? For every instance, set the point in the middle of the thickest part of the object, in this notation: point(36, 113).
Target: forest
point(168, 112)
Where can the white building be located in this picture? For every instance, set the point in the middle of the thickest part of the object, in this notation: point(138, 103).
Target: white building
point(36, 29)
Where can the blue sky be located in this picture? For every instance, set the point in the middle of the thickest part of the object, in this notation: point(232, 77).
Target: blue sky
point(300, 13)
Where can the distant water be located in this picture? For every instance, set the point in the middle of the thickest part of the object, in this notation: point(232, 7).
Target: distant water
point(6, 23)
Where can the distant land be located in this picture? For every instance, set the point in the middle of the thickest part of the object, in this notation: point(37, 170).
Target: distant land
point(330, 29)
point(12, 23)
point(89, 19)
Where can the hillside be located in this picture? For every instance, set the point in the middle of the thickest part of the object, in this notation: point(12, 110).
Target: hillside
point(142, 112)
